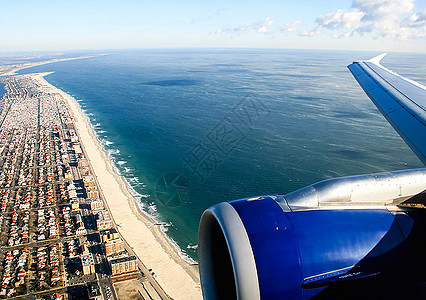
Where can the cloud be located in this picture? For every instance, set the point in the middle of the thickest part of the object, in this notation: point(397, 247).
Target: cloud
point(341, 19)
point(291, 27)
point(378, 18)
point(263, 26)
point(305, 32)
point(415, 20)
point(380, 10)
point(260, 27)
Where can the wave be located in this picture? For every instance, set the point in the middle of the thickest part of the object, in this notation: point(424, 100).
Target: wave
point(182, 254)
point(152, 207)
point(193, 247)
point(112, 152)
point(114, 167)
point(133, 179)
point(164, 228)
point(105, 143)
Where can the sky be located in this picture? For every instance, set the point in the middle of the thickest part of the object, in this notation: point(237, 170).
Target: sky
point(376, 25)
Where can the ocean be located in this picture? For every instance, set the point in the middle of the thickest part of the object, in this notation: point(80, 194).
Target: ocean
point(191, 128)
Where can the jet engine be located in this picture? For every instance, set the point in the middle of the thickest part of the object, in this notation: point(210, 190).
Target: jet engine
point(337, 238)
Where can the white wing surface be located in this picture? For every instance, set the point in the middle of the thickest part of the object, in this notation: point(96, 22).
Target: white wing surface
point(400, 100)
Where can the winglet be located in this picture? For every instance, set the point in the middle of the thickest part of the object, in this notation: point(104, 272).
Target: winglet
point(376, 60)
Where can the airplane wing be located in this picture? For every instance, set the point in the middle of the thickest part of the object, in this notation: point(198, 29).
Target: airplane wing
point(400, 100)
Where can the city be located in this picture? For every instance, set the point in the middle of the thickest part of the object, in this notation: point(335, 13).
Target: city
point(58, 239)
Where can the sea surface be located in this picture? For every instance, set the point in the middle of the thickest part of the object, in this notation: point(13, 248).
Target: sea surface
point(191, 128)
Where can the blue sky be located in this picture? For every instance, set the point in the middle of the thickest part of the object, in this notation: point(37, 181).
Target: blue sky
point(378, 25)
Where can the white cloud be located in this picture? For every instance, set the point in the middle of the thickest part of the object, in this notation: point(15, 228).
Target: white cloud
point(310, 33)
point(415, 24)
point(263, 27)
point(376, 10)
point(415, 20)
point(378, 18)
point(291, 27)
point(341, 19)
point(260, 27)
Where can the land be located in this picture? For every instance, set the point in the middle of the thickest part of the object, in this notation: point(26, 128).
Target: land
point(60, 203)
point(11, 69)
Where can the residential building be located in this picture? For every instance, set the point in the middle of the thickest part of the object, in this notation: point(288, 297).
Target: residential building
point(96, 205)
point(87, 264)
point(114, 246)
point(123, 265)
point(109, 235)
point(103, 221)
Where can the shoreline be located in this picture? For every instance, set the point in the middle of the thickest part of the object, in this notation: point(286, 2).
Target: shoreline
point(139, 208)
point(177, 277)
point(10, 70)
point(138, 205)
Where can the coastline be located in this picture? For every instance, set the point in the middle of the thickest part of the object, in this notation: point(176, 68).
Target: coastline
point(9, 70)
point(178, 278)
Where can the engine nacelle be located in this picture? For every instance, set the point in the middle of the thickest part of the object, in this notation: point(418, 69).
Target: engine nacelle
point(257, 249)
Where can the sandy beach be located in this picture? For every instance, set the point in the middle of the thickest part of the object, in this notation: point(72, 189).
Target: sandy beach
point(179, 279)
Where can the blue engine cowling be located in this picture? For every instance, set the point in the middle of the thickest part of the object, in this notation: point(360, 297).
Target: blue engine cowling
point(252, 249)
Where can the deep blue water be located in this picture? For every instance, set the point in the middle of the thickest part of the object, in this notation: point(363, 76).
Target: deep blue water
point(191, 128)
